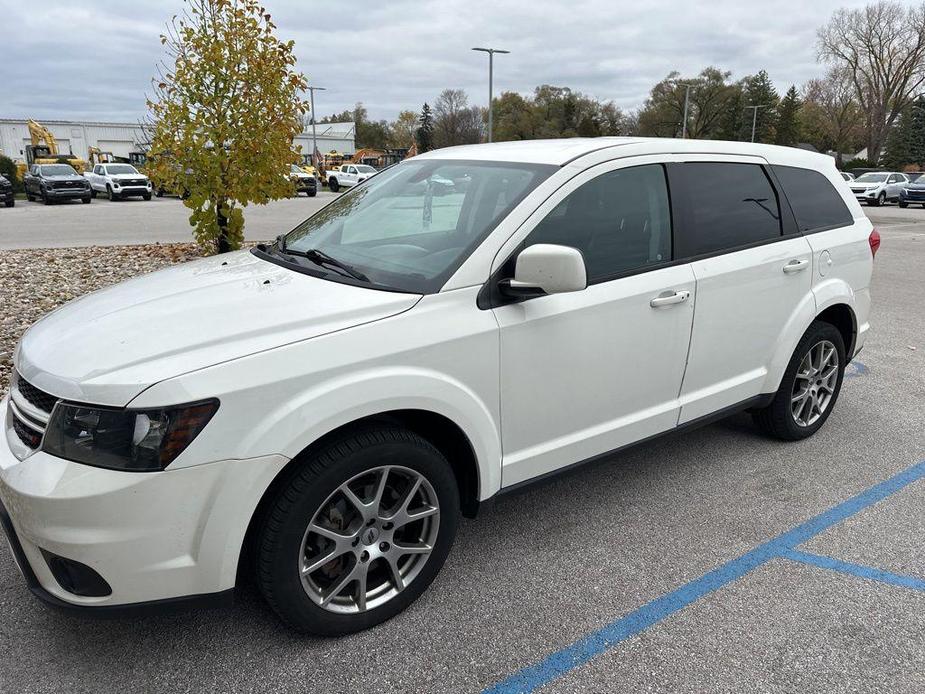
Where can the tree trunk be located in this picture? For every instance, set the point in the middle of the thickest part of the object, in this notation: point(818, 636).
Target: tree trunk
point(221, 242)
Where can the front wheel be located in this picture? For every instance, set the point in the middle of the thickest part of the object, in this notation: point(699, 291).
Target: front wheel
point(903, 204)
point(333, 186)
point(112, 196)
point(313, 193)
point(358, 532)
point(881, 200)
point(86, 200)
point(146, 196)
point(810, 386)
point(45, 199)
point(10, 203)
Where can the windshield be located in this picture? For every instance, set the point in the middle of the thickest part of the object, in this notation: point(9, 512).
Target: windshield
point(363, 168)
point(871, 178)
point(403, 231)
point(58, 170)
point(121, 169)
point(914, 177)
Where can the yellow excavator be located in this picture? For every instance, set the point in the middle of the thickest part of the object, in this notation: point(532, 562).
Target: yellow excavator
point(44, 150)
point(97, 156)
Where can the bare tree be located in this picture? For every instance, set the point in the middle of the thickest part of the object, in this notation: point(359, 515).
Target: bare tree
point(831, 114)
point(455, 123)
point(882, 47)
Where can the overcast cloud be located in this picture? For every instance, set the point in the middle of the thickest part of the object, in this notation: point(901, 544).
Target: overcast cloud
point(93, 60)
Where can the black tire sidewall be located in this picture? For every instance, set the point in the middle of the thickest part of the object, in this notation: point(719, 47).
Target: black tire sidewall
point(302, 497)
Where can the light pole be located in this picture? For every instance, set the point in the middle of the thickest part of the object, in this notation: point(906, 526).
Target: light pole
point(687, 96)
point(491, 66)
point(755, 117)
point(314, 137)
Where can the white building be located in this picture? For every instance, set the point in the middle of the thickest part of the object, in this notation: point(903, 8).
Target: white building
point(121, 138)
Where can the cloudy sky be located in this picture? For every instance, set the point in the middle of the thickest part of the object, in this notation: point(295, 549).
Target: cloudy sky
point(99, 55)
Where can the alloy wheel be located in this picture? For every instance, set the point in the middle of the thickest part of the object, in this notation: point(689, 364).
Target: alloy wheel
point(369, 539)
point(815, 383)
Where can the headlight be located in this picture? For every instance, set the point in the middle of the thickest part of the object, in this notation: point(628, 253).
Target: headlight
point(129, 440)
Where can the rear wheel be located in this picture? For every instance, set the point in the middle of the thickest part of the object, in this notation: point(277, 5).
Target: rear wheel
point(810, 386)
point(358, 532)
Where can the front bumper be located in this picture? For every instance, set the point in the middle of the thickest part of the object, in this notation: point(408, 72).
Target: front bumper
point(912, 196)
point(153, 537)
point(68, 192)
point(6, 195)
point(865, 194)
point(132, 190)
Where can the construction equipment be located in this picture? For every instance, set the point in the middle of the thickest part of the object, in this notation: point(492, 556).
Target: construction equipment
point(44, 150)
point(97, 156)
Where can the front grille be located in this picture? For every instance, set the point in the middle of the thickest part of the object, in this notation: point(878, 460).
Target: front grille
point(27, 434)
point(67, 184)
point(126, 184)
point(32, 395)
point(915, 194)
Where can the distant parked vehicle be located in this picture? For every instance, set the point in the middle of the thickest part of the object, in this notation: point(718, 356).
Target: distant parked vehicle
point(6, 192)
point(118, 181)
point(349, 175)
point(878, 187)
point(847, 176)
point(304, 182)
point(52, 182)
point(914, 191)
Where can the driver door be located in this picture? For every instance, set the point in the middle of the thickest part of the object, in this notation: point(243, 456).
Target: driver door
point(586, 372)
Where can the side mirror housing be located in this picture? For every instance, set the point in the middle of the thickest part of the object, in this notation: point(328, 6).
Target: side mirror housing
point(547, 268)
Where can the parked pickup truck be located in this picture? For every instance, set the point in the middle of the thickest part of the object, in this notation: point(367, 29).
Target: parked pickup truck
point(6, 192)
point(303, 182)
point(52, 182)
point(348, 175)
point(118, 181)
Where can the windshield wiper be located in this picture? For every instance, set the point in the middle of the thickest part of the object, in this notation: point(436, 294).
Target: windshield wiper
point(321, 258)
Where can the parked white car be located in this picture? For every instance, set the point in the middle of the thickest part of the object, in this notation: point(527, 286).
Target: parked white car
point(348, 175)
point(847, 176)
point(118, 181)
point(879, 187)
point(326, 406)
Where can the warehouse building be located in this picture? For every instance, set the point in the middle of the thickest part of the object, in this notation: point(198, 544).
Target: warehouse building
point(122, 138)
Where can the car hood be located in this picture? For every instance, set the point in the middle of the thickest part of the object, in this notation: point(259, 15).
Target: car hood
point(915, 186)
point(108, 346)
point(121, 177)
point(64, 177)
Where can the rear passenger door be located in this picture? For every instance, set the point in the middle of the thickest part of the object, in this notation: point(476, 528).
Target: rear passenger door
point(753, 270)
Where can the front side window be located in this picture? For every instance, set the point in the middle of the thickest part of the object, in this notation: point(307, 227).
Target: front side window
point(727, 206)
point(814, 201)
point(405, 229)
point(620, 221)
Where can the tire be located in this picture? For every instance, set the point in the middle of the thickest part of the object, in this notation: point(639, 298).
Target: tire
point(881, 199)
point(146, 196)
point(903, 204)
point(86, 200)
point(92, 193)
point(30, 197)
point(312, 193)
point(112, 196)
point(45, 199)
point(158, 192)
point(778, 419)
point(333, 186)
point(312, 496)
point(10, 203)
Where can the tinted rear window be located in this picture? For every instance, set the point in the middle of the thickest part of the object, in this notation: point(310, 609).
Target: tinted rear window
point(815, 202)
point(728, 206)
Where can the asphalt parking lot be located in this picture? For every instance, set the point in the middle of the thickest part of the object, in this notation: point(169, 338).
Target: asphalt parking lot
point(135, 221)
point(717, 560)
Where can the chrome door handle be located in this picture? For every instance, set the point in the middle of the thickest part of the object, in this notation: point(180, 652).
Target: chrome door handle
point(668, 299)
point(795, 266)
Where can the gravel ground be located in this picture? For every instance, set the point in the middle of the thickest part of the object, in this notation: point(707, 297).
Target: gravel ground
point(36, 281)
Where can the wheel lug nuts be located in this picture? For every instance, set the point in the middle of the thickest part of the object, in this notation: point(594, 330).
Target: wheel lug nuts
point(365, 556)
point(383, 546)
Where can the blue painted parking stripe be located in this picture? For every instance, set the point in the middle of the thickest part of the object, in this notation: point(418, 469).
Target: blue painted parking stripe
point(855, 569)
point(559, 663)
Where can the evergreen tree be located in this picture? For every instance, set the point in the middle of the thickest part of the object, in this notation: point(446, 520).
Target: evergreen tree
point(757, 90)
point(905, 145)
point(788, 119)
point(425, 132)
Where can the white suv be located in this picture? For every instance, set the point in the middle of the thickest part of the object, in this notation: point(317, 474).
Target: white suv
point(319, 411)
point(878, 187)
point(118, 181)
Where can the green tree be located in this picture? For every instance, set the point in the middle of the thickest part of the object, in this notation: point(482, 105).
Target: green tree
point(709, 98)
point(425, 131)
point(757, 90)
point(788, 119)
point(513, 118)
point(225, 115)
point(905, 145)
point(402, 129)
point(8, 170)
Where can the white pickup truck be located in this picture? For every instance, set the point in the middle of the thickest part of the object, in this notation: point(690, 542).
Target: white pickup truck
point(348, 175)
point(118, 181)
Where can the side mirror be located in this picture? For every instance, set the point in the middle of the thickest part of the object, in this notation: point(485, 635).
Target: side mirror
point(547, 268)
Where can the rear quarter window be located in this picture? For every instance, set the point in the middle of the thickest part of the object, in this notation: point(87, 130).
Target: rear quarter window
point(815, 202)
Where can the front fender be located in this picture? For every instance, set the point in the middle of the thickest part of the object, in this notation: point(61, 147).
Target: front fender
point(292, 425)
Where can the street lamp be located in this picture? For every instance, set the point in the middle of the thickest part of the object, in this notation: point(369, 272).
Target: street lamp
point(755, 117)
point(491, 60)
point(314, 137)
point(687, 96)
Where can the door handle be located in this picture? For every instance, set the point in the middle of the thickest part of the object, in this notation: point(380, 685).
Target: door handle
point(795, 266)
point(669, 299)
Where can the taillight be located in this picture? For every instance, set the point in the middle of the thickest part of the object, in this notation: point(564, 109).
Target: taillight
point(874, 241)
